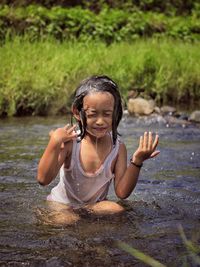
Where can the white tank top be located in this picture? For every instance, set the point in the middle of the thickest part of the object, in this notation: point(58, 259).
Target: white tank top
point(76, 187)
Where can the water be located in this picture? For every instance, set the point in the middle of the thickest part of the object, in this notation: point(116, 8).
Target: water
point(167, 195)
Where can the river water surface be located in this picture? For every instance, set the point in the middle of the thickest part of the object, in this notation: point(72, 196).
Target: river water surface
point(167, 195)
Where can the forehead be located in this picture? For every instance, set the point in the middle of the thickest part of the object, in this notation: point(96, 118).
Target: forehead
point(99, 100)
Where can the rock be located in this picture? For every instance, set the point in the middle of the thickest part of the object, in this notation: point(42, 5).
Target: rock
point(168, 110)
point(132, 94)
point(125, 112)
point(157, 110)
point(195, 116)
point(151, 119)
point(173, 120)
point(140, 106)
point(181, 115)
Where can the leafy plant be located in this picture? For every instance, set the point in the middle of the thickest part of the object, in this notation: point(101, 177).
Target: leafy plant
point(108, 25)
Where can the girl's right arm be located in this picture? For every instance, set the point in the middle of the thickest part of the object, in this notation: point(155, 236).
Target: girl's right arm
point(55, 154)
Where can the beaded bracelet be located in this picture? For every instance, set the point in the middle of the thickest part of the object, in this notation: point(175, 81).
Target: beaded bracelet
point(136, 165)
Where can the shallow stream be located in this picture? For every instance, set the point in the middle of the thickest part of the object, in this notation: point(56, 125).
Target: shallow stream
point(167, 195)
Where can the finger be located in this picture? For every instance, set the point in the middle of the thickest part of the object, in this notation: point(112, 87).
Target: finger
point(141, 142)
point(73, 134)
point(150, 141)
point(154, 154)
point(62, 145)
point(155, 143)
point(71, 129)
point(51, 132)
point(145, 141)
point(66, 127)
point(71, 137)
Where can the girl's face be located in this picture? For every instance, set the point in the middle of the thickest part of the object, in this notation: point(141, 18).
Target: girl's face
point(98, 107)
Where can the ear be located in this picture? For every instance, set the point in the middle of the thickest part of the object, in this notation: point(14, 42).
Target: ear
point(75, 113)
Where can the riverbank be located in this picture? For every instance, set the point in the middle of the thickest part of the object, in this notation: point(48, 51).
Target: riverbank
point(38, 78)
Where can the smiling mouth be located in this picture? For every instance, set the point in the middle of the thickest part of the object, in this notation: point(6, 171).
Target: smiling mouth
point(100, 129)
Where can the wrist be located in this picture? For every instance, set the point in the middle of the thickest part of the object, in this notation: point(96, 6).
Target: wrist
point(136, 163)
point(56, 140)
point(137, 160)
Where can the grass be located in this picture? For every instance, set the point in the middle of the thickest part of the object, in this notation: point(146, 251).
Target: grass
point(38, 78)
point(193, 250)
point(140, 255)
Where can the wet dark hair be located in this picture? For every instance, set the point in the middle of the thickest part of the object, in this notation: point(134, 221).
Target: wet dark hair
point(98, 84)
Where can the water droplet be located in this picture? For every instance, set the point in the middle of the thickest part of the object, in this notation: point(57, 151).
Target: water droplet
point(192, 153)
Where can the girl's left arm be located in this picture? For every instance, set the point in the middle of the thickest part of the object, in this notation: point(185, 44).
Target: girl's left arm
point(126, 177)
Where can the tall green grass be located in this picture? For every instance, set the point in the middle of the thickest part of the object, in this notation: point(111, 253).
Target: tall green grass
point(38, 78)
point(192, 248)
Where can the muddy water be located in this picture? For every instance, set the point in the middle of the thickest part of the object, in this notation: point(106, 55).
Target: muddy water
point(167, 195)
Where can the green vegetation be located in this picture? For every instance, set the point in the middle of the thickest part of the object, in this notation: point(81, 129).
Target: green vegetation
point(192, 247)
point(108, 25)
point(180, 7)
point(38, 78)
point(47, 49)
point(140, 255)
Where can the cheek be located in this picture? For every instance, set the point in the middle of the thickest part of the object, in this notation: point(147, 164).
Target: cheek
point(88, 123)
point(110, 121)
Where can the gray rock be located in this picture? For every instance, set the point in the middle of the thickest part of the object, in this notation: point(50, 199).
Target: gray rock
point(168, 110)
point(195, 116)
point(157, 110)
point(132, 94)
point(173, 120)
point(140, 106)
point(181, 115)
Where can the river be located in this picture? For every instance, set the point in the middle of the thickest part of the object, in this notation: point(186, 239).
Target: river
point(166, 197)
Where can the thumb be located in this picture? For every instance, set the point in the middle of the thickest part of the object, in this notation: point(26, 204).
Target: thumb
point(154, 154)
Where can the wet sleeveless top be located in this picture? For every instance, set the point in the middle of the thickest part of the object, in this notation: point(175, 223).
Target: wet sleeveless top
point(78, 187)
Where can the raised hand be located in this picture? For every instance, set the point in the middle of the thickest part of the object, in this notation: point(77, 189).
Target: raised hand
point(64, 134)
point(147, 148)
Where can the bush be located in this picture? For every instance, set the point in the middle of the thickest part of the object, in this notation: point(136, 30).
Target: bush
point(180, 7)
point(109, 25)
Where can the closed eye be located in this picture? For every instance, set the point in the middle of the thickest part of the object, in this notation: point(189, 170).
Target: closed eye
point(107, 114)
point(94, 114)
point(91, 115)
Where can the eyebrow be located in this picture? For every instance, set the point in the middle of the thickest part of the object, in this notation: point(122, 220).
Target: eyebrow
point(94, 110)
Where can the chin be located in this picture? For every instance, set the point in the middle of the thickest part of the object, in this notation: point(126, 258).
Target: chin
point(98, 134)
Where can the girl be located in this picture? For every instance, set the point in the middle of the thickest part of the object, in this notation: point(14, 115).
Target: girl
point(88, 165)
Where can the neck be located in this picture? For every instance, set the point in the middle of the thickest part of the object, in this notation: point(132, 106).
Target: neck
point(93, 139)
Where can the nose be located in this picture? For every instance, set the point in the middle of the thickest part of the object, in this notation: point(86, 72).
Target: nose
point(99, 120)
